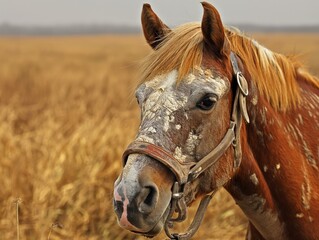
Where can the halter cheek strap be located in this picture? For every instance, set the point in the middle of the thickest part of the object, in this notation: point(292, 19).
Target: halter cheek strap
point(185, 173)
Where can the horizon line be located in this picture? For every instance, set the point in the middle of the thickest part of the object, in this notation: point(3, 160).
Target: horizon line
point(103, 28)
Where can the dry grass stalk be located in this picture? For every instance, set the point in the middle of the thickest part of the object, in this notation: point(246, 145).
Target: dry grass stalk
point(17, 202)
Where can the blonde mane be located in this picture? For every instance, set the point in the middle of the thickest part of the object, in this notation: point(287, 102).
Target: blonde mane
point(275, 75)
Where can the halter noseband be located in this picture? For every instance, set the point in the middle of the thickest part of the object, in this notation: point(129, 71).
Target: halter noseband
point(185, 173)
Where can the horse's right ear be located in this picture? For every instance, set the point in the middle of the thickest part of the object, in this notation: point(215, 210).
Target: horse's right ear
point(154, 29)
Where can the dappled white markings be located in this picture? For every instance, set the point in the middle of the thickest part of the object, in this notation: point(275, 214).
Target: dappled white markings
point(263, 218)
point(219, 85)
point(144, 138)
point(192, 142)
point(190, 78)
point(178, 126)
point(254, 179)
point(151, 130)
point(179, 155)
point(306, 190)
point(163, 100)
point(254, 100)
point(130, 175)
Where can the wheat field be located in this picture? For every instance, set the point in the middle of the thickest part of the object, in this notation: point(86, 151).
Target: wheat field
point(67, 112)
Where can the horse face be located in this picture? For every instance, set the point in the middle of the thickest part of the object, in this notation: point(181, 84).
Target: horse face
point(187, 119)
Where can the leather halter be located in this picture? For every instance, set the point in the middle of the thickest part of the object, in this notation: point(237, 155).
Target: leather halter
point(186, 172)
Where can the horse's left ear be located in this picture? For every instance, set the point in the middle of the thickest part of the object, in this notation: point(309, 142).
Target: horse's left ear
point(213, 30)
point(154, 29)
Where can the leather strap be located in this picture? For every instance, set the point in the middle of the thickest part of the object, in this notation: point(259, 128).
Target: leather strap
point(214, 155)
point(179, 168)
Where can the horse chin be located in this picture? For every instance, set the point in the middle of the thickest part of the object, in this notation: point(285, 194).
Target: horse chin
point(157, 227)
point(152, 233)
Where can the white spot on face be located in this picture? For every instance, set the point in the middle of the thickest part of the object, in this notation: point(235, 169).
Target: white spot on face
point(163, 82)
point(179, 155)
point(167, 120)
point(190, 78)
point(151, 130)
point(144, 138)
point(265, 168)
point(130, 174)
point(208, 72)
point(131, 159)
point(192, 142)
point(219, 84)
point(162, 99)
point(254, 179)
point(162, 102)
point(166, 123)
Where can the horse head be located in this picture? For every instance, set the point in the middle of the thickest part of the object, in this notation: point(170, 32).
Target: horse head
point(186, 101)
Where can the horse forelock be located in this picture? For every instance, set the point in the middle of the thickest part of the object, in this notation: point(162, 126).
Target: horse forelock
point(274, 75)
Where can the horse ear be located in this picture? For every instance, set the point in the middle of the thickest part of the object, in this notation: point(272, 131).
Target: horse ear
point(213, 30)
point(154, 29)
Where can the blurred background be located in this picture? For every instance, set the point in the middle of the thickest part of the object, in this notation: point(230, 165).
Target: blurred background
point(67, 77)
point(98, 16)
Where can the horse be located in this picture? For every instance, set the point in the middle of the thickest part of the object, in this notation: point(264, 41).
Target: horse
point(219, 110)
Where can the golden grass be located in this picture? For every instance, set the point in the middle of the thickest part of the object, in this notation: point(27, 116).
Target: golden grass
point(67, 114)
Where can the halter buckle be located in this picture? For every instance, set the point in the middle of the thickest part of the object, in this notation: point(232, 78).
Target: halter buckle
point(242, 83)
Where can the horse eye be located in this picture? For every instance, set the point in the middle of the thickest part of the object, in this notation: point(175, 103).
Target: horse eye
point(207, 103)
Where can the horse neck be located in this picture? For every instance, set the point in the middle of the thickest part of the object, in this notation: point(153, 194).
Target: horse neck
point(277, 174)
point(252, 193)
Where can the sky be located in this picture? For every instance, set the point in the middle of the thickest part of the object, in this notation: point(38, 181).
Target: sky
point(172, 12)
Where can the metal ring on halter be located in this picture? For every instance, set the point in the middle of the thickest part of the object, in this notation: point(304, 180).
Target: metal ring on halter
point(240, 77)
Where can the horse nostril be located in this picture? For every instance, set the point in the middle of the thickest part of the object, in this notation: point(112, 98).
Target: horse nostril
point(118, 208)
point(147, 199)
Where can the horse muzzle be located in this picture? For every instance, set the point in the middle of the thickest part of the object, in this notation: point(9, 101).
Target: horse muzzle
point(142, 195)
